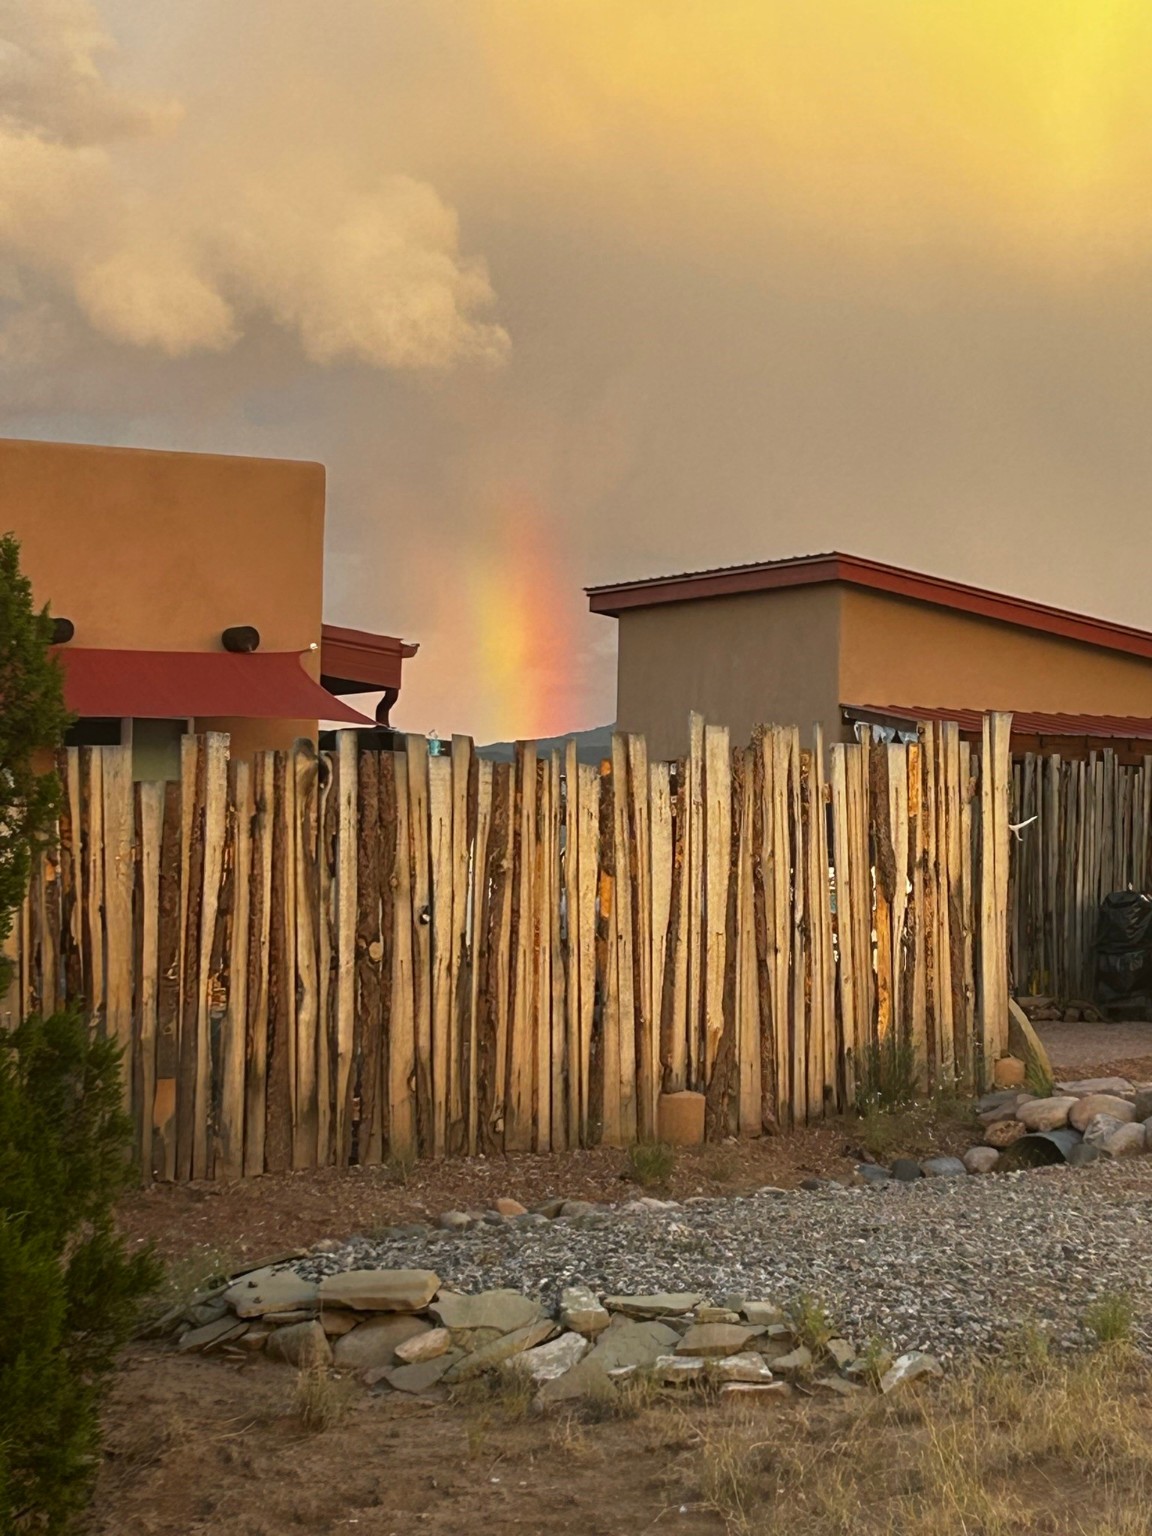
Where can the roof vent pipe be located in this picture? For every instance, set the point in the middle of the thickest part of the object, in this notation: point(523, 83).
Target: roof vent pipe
point(243, 639)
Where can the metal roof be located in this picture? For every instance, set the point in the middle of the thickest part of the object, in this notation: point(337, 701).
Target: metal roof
point(1024, 722)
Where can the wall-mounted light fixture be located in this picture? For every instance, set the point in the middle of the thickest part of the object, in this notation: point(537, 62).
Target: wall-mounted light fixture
point(243, 639)
point(62, 631)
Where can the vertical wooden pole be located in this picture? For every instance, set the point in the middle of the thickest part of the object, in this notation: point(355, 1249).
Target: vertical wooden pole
point(442, 945)
point(465, 820)
point(259, 944)
point(149, 840)
point(345, 897)
point(481, 887)
point(234, 1027)
point(718, 839)
point(561, 1064)
point(694, 905)
point(168, 981)
point(520, 1036)
point(418, 834)
point(403, 1035)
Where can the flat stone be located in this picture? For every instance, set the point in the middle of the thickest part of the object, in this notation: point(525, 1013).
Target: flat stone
point(577, 1208)
point(716, 1315)
point(547, 1361)
point(336, 1321)
point(374, 1343)
point(1142, 1104)
point(996, 1099)
point(267, 1290)
point(746, 1389)
point(582, 1312)
point(502, 1349)
point(837, 1385)
point(508, 1207)
point(659, 1304)
point(740, 1367)
point(1046, 1114)
point(587, 1378)
point(209, 1312)
point(763, 1313)
point(908, 1368)
point(504, 1310)
point(269, 1261)
point(301, 1315)
point(871, 1173)
point(792, 1364)
point(981, 1159)
point(380, 1290)
point(1093, 1104)
point(1100, 1127)
point(1128, 1141)
point(636, 1344)
point(419, 1377)
point(906, 1169)
point(209, 1335)
point(1005, 1111)
point(713, 1340)
point(1005, 1133)
point(302, 1344)
point(1117, 1085)
point(454, 1221)
point(672, 1370)
point(840, 1352)
point(429, 1345)
point(943, 1168)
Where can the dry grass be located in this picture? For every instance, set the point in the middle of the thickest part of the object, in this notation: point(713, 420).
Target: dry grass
point(1110, 1319)
point(651, 1164)
point(319, 1401)
point(1026, 1445)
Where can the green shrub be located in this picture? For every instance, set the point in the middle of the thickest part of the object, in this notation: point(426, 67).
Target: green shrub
point(1110, 1318)
point(70, 1289)
point(651, 1163)
point(887, 1075)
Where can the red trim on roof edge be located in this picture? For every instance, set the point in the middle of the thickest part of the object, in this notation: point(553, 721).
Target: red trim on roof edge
point(1024, 723)
point(853, 570)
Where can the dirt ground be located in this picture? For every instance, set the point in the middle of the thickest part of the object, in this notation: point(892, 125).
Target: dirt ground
point(1098, 1050)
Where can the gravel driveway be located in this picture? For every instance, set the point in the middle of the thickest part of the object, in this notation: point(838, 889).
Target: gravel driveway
point(946, 1265)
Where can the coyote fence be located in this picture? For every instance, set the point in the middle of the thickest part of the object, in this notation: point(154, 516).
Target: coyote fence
point(313, 960)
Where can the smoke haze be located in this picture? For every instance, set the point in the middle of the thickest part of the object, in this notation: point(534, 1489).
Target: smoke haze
point(568, 293)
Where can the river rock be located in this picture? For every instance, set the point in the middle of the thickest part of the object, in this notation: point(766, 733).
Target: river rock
point(416, 1378)
point(659, 1304)
point(710, 1340)
point(454, 1221)
point(504, 1310)
point(942, 1168)
point(908, 1368)
point(580, 1311)
point(374, 1343)
point(794, 1363)
point(981, 1159)
point(1083, 1153)
point(507, 1207)
point(301, 1344)
point(1093, 1104)
point(1116, 1085)
point(1046, 1114)
point(1100, 1127)
point(636, 1344)
point(672, 1370)
point(380, 1290)
point(1005, 1133)
point(547, 1361)
point(270, 1290)
point(906, 1169)
point(1128, 1141)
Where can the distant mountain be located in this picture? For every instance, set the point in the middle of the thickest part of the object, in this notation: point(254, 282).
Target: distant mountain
point(591, 746)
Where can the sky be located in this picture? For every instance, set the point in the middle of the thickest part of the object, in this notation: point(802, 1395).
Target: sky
point(572, 291)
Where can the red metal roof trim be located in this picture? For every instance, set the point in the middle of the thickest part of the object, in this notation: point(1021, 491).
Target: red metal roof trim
point(355, 660)
point(178, 685)
point(810, 570)
point(1024, 722)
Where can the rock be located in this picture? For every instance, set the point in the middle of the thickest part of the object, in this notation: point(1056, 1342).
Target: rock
point(794, 1363)
point(209, 1312)
point(424, 1346)
point(374, 1343)
point(1120, 1086)
point(1143, 1104)
point(871, 1173)
point(671, 1370)
point(547, 1361)
point(906, 1169)
point(742, 1367)
point(637, 1344)
point(981, 1159)
point(454, 1221)
point(254, 1337)
point(840, 1351)
point(1009, 1072)
point(505, 1310)
point(1005, 1111)
point(209, 1336)
point(762, 1313)
point(586, 1379)
point(837, 1385)
point(267, 1290)
point(680, 1119)
point(713, 1340)
point(1093, 1104)
point(506, 1207)
point(419, 1377)
point(745, 1389)
point(943, 1168)
point(908, 1368)
point(577, 1208)
point(380, 1290)
point(815, 1183)
point(1005, 1133)
point(658, 1304)
point(1100, 1127)
point(336, 1321)
point(1046, 1114)
point(716, 1315)
point(996, 1099)
point(1082, 1154)
point(502, 1349)
point(1128, 1141)
point(549, 1208)
point(580, 1311)
point(302, 1345)
point(646, 1205)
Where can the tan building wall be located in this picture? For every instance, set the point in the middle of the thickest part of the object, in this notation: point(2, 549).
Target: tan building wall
point(162, 551)
point(742, 661)
point(896, 651)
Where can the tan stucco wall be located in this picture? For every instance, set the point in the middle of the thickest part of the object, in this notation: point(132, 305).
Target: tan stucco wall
point(894, 651)
point(741, 661)
point(162, 551)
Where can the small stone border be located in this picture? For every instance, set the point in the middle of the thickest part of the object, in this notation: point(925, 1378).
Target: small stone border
point(400, 1331)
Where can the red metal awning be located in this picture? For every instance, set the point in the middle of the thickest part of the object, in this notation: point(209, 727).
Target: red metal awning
point(177, 685)
point(1024, 722)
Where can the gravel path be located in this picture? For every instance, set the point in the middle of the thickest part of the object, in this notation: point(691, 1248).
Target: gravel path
point(947, 1265)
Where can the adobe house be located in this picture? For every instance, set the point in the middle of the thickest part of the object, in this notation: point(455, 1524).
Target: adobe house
point(859, 647)
point(187, 590)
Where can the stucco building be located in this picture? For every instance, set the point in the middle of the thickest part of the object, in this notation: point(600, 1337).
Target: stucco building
point(852, 644)
point(188, 592)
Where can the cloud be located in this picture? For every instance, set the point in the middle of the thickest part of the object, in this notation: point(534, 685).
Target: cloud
point(364, 267)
